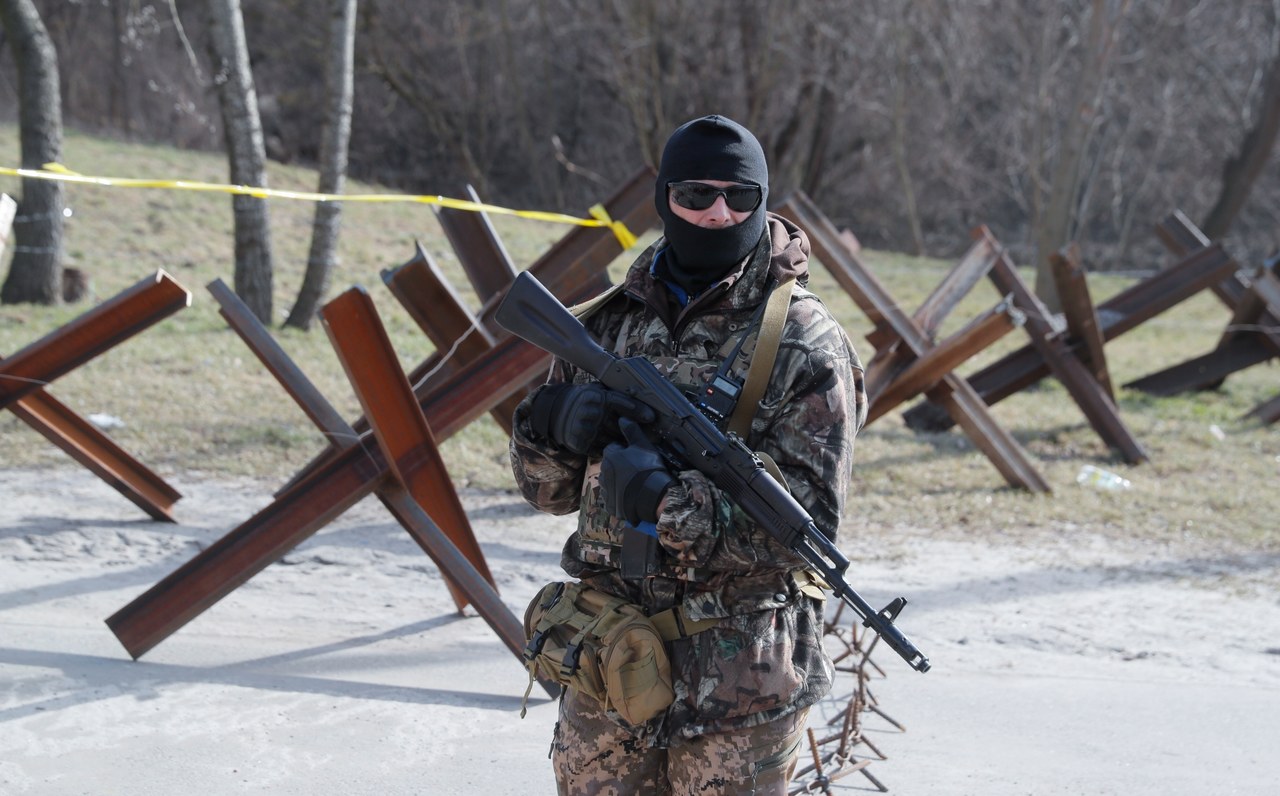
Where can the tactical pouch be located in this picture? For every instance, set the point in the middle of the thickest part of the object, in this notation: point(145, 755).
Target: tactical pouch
point(598, 645)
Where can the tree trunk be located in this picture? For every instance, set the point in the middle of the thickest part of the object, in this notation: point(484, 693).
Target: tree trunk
point(1056, 227)
point(1240, 172)
point(901, 77)
point(119, 106)
point(339, 87)
point(35, 273)
point(243, 131)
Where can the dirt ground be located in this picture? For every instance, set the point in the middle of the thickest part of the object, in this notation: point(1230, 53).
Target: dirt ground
point(1062, 664)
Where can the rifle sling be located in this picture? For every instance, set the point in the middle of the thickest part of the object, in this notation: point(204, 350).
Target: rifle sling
point(761, 367)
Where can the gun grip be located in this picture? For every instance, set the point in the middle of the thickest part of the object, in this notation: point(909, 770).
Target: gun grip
point(634, 433)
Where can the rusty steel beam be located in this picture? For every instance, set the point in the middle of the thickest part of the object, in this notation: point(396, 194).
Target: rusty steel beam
point(952, 392)
point(339, 478)
point(891, 356)
point(85, 443)
point(312, 402)
point(959, 281)
point(1119, 314)
point(402, 432)
point(1182, 237)
point(1082, 317)
point(1254, 300)
point(945, 357)
point(332, 484)
point(488, 604)
point(435, 306)
point(1098, 407)
point(965, 405)
point(1236, 291)
point(573, 270)
point(1206, 371)
point(438, 310)
point(1268, 411)
point(89, 335)
point(480, 251)
point(1145, 300)
point(579, 259)
point(405, 439)
point(249, 548)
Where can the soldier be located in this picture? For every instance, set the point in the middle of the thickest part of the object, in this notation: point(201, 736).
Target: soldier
point(692, 305)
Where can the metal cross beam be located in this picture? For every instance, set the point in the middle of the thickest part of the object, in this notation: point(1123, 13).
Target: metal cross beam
point(342, 475)
point(401, 430)
point(333, 483)
point(23, 376)
point(480, 251)
point(337, 431)
point(1252, 335)
point(924, 372)
point(420, 478)
point(85, 442)
point(1061, 358)
point(895, 328)
point(440, 313)
point(96, 331)
point(1119, 314)
point(1080, 314)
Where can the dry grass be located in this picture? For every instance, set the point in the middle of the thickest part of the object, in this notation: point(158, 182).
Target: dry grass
point(194, 400)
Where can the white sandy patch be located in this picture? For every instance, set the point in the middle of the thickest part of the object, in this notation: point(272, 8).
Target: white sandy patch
point(1062, 664)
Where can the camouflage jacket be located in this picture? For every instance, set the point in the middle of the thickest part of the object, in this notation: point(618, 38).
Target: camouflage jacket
point(764, 659)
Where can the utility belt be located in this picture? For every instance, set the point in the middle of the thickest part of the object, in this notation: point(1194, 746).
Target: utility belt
point(609, 649)
point(604, 647)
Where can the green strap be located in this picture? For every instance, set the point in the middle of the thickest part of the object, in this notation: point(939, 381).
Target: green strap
point(761, 367)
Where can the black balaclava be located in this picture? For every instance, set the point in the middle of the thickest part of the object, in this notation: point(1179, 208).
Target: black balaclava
point(710, 148)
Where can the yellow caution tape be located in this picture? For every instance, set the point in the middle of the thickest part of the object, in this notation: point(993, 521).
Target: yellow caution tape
point(58, 172)
point(620, 230)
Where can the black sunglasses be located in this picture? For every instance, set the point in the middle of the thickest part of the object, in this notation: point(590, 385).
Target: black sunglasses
point(699, 196)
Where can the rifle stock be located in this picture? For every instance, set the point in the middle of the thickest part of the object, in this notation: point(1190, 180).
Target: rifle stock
point(688, 437)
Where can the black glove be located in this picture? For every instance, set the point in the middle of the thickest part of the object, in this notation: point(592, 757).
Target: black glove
point(633, 477)
point(582, 418)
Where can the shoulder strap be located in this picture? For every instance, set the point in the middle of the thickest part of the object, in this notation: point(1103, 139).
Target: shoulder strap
point(766, 351)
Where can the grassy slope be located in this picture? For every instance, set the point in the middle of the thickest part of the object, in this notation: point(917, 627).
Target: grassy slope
point(194, 399)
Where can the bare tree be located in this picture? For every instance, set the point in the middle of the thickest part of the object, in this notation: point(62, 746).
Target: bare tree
point(899, 77)
point(1241, 171)
point(909, 122)
point(1055, 226)
point(333, 162)
point(35, 274)
point(243, 132)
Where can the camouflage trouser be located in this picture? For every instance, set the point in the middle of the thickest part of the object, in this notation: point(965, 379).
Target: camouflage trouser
point(595, 757)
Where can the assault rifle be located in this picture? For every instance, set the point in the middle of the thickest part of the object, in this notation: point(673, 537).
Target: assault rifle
point(688, 437)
